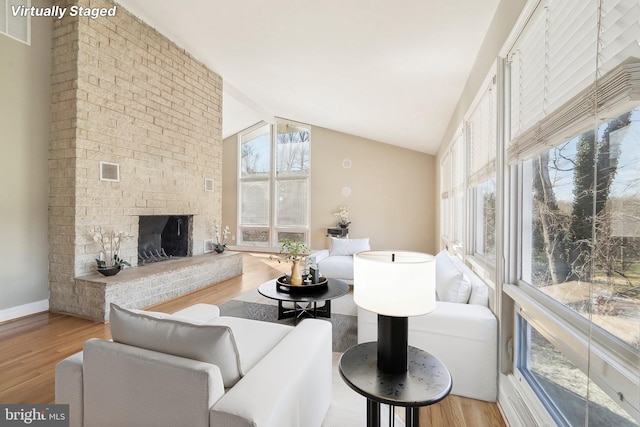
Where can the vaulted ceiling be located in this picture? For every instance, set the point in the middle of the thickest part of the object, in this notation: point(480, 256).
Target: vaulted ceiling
point(391, 71)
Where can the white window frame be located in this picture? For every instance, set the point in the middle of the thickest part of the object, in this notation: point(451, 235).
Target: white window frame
point(452, 187)
point(274, 229)
point(481, 173)
point(445, 200)
point(25, 21)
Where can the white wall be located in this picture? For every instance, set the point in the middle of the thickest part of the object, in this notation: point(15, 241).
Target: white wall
point(24, 145)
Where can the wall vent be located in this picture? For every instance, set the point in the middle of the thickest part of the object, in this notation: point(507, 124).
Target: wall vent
point(109, 171)
point(208, 184)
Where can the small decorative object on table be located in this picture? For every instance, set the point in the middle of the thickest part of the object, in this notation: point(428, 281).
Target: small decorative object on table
point(283, 284)
point(295, 250)
point(220, 245)
point(315, 274)
point(343, 217)
point(108, 261)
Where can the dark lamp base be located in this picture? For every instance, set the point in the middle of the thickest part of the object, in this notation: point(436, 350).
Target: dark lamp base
point(392, 344)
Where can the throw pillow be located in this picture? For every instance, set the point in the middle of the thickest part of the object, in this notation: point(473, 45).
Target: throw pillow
point(452, 285)
point(479, 293)
point(348, 247)
point(213, 344)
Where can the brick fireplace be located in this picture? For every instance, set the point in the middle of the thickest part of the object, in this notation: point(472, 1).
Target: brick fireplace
point(125, 96)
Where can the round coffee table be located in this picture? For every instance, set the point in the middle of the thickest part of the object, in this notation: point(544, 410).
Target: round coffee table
point(304, 304)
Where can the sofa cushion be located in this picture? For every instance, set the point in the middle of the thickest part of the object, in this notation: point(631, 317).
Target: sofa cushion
point(337, 267)
point(160, 332)
point(198, 312)
point(479, 290)
point(348, 247)
point(452, 284)
point(254, 338)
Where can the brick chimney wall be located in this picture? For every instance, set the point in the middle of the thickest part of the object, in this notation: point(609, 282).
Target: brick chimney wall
point(123, 93)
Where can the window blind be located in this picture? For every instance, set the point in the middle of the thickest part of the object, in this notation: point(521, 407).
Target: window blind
point(619, 33)
point(457, 162)
point(571, 47)
point(616, 92)
point(445, 189)
point(457, 188)
point(553, 66)
point(528, 75)
point(481, 134)
point(445, 177)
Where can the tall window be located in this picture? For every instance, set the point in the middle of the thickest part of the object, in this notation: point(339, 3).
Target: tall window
point(15, 22)
point(452, 191)
point(274, 183)
point(445, 195)
point(457, 195)
point(581, 249)
point(481, 128)
point(574, 148)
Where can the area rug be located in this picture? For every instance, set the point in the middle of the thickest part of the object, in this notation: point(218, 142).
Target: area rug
point(348, 408)
point(344, 327)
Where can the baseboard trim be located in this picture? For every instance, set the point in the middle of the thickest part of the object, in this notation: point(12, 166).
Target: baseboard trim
point(13, 313)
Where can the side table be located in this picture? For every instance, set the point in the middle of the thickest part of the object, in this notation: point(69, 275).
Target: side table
point(426, 382)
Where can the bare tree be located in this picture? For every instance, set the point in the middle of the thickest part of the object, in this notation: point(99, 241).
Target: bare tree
point(249, 159)
point(293, 151)
point(569, 242)
point(551, 223)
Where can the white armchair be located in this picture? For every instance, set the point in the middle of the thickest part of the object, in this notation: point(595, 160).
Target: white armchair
point(196, 368)
point(337, 261)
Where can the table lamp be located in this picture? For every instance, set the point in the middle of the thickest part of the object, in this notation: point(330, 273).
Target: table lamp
point(395, 285)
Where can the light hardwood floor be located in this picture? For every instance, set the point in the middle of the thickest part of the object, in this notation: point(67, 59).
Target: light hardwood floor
point(31, 347)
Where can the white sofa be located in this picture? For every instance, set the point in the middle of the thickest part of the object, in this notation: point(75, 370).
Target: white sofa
point(337, 261)
point(462, 331)
point(195, 368)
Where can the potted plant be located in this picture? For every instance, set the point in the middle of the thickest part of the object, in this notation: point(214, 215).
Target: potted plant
point(343, 217)
point(220, 245)
point(294, 251)
point(109, 261)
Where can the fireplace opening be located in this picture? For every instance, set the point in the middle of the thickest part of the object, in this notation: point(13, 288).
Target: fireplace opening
point(163, 237)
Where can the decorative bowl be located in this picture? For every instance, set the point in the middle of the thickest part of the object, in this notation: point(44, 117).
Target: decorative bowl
point(109, 271)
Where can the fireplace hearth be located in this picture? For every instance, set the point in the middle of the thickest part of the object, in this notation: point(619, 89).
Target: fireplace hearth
point(164, 237)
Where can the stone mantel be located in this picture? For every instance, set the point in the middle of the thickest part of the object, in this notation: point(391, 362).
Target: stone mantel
point(151, 284)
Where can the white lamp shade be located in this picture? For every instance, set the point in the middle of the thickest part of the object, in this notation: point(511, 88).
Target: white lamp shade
point(404, 286)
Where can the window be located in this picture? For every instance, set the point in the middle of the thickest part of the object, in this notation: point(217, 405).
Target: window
point(484, 217)
point(457, 195)
point(452, 191)
point(581, 226)
point(481, 128)
point(572, 124)
point(255, 186)
point(579, 229)
point(14, 21)
point(445, 191)
point(564, 387)
point(274, 183)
